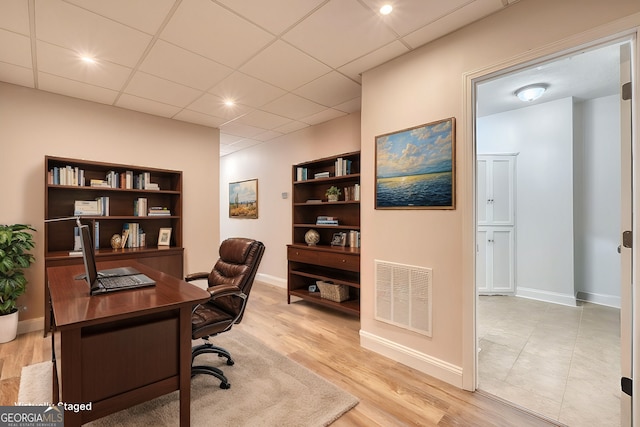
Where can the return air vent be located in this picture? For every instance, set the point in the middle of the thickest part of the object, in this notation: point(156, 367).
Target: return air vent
point(403, 296)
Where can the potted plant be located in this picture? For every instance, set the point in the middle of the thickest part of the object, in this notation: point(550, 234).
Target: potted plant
point(332, 193)
point(15, 243)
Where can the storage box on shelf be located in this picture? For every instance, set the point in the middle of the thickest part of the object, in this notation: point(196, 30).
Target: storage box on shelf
point(335, 257)
point(128, 200)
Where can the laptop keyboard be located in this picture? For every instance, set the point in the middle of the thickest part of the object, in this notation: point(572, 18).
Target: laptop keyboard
point(123, 282)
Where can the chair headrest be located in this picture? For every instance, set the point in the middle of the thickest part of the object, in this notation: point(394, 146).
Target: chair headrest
point(235, 250)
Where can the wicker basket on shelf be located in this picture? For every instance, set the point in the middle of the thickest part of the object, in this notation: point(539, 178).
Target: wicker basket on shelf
point(333, 292)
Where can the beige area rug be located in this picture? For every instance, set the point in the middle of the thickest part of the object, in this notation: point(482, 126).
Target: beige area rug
point(267, 389)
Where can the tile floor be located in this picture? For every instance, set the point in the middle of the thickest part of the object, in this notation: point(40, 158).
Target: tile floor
point(561, 362)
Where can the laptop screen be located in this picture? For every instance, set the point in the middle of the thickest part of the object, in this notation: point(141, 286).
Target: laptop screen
point(88, 256)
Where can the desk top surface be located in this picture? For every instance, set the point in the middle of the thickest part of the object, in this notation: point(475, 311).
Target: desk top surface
point(73, 306)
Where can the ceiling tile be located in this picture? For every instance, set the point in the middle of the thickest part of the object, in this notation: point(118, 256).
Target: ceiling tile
point(76, 89)
point(146, 106)
point(263, 12)
point(458, 18)
point(14, 16)
point(354, 69)
point(293, 107)
point(267, 136)
point(144, 15)
point(181, 66)
point(151, 87)
point(16, 49)
point(291, 127)
point(264, 120)
point(209, 29)
point(330, 89)
point(16, 75)
point(240, 129)
point(274, 65)
point(323, 116)
point(350, 106)
point(64, 63)
point(244, 143)
point(214, 105)
point(340, 31)
point(86, 33)
point(244, 89)
point(228, 139)
point(195, 117)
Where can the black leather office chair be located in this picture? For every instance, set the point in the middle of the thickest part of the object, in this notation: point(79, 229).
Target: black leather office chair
point(229, 284)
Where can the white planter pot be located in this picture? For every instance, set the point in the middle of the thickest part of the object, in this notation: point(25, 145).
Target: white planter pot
point(8, 327)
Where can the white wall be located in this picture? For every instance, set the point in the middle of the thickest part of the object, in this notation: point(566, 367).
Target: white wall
point(542, 136)
point(271, 164)
point(598, 200)
point(37, 123)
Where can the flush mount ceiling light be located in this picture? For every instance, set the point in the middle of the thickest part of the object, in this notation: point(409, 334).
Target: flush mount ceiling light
point(531, 92)
point(386, 9)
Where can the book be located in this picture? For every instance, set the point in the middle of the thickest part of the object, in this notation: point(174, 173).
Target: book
point(159, 211)
point(86, 207)
point(321, 175)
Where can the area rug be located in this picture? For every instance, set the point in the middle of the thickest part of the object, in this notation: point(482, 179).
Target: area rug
point(267, 389)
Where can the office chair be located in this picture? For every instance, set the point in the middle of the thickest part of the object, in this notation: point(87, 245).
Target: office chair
point(229, 284)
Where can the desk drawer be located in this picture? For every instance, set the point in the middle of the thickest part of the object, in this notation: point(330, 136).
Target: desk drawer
point(342, 261)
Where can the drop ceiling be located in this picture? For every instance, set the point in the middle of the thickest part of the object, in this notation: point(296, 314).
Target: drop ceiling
point(287, 64)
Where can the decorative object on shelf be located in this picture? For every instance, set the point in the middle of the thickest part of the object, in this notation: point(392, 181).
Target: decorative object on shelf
point(332, 193)
point(116, 241)
point(424, 179)
point(164, 237)
point(339, 239)
point(15, 243)
point(333, 292)
point(243, 199)
point(312, 237)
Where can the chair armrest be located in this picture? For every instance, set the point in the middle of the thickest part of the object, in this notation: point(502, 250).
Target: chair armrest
point(196, 276)
point(225, 290)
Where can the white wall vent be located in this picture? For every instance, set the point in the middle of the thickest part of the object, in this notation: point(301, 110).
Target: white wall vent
point(403, 296)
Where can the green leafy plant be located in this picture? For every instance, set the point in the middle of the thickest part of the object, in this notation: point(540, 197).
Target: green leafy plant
point(15, 243)
point(333, 191)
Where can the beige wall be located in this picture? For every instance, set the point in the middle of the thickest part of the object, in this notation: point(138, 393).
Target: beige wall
point(427, 85)
point(36, 123)
point(271, 164)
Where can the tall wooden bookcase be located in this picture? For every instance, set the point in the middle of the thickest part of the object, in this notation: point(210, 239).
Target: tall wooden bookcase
point(60, 203)
point(323, 261)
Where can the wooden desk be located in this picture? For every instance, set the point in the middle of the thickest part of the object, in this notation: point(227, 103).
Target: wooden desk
point(120, 349)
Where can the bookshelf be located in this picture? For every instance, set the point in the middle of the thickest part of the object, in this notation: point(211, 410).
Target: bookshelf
point(336, 264)
point(126, 194)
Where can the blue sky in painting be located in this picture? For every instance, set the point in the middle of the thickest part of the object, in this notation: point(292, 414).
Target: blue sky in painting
point(426, 149)
point(246, 191)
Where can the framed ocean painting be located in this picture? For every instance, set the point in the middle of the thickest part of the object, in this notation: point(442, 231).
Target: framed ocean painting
point(415, 167)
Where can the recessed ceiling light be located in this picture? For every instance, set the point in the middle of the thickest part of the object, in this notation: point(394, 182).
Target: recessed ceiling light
point(229, 102)
point(88, 59)
point(386, 9)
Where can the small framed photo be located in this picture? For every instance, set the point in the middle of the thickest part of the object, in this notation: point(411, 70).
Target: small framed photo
point(164, 237)
point(339, 239)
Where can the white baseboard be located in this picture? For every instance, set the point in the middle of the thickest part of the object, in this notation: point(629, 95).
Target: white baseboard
point(30, 325)
point(600, 299)
point(437, 368)
point(272, 280)
point(547, 296)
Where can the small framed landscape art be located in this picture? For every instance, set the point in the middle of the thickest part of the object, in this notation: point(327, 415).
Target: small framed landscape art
point(415, 167)
point(243, 199)
point(164, 237)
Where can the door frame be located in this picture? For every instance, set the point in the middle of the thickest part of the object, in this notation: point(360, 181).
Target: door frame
point(619, 30)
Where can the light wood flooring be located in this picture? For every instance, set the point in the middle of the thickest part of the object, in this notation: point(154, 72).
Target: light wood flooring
point(327, 343)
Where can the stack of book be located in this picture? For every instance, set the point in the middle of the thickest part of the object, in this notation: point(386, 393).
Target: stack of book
point(326, 220)
point(133, 236)
point(140, 207)
point(159, 211)
point(98, 207)
point(343, 166)
point(301, 174)
point(325, 174)
point(352, 193)
point(354, 239)
point(66, 175)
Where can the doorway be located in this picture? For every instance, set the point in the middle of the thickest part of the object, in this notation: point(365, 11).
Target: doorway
point(536, 342)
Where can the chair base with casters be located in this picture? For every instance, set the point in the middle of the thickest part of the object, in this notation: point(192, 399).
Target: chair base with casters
point(206, 348)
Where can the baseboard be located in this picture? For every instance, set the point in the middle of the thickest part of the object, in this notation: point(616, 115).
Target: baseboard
point(272, 280)
point(600, 299)
point(547, 296)
point(30, 325)
point(429, 365)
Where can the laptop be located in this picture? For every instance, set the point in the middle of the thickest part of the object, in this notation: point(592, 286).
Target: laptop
point(116, 279)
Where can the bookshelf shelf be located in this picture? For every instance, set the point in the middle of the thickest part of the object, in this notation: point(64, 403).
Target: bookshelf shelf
point(68, 180)
point(339, 265)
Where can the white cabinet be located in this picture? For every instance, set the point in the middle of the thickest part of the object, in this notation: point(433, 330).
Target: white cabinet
point(496, 192)
point(495, 260)
point(496, 189)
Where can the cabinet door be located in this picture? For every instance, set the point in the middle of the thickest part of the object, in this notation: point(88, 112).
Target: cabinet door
point(495, 261)
point(496, 190)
